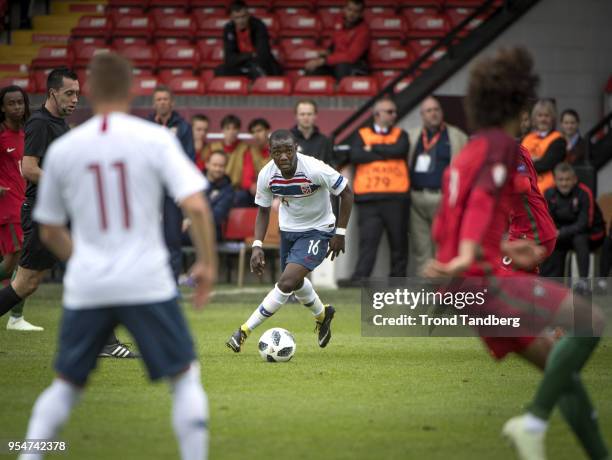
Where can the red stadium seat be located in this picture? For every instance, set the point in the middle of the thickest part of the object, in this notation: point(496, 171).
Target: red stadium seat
point(165, 42)
point(207, 75)
point(126, 10)
point(297, 57)
point(144, 57)
point(132, 26)
point(464, 3)
point(38, 80)
point(177, 4)
point(165, 75)
point(240, 224)
point(456, 15)
point(208, 4)
point(279, 4)
point(390, 57)
point(314, 86)
point(78, 42)
point(178, 56)
point(186, 85)
point(210, 11)
point(420, 47)
point(358, 86)
point(371, 12)
point(388, 27)
point(402, 84)
point(87, 8)
point(258, 10)
point(329, 17)
point(426, 23)
point(83, 55)
point(92, 26)
point(213, 58)
point(267, 4)
point(209, 26)
point(122, 42)
point(175, 25)
point(272, 85)
point(52, 56)
point(144, 4)
point(236, 86)
point(330, 3)
point(384, 77)
point(287, 44)
point(144, 85)
point(299, 25)
point(17, 80)
point(14, 68)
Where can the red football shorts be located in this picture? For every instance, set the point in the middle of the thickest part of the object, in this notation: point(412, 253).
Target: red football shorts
point(11, 238)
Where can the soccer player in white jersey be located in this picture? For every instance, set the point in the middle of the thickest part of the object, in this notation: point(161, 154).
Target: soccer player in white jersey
point(107, 178)
point(308, 230)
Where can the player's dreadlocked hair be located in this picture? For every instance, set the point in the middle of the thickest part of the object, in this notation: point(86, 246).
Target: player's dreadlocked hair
point(11, 89)
point(500, 87)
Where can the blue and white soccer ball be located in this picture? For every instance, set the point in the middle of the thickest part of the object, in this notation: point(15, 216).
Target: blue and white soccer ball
point(276, 345)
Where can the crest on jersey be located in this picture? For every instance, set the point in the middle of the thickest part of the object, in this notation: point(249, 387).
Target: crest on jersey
point(499, 174)
point(306, 190)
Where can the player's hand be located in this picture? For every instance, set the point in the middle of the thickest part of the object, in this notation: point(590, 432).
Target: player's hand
point(525, 254)
point(185, 226)
point(3, 190)
point(336, 246)
point(258, 261)
point(204, 277)
point(436, 269)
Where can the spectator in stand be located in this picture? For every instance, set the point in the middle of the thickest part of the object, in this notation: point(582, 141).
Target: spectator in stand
point(348, 52)
point(576, 145)
point(546, 145)
point(199, 126)
point(433, 145)
point(243, 163)
point(220, 194)
point(260, 130)
point(165, 115)
point(307, 134)
point(605, 263)
point(578, 219)
point(246, 46)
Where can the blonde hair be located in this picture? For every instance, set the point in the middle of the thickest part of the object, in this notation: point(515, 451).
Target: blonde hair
point(111, 78)
point(547, 105)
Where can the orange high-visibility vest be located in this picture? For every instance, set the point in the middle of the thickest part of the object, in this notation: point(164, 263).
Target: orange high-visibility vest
point(384, 176)
point(537, 147)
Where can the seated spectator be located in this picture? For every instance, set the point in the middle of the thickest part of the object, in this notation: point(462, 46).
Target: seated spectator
point(348, 52)
point(199, 127)
point(243, 162)
point(525, 124)
point(246, 46)
point(576, 145)
point(546, 145)
point(605, 263)
point(307, 133)
point(578, 219)
point(260, 130)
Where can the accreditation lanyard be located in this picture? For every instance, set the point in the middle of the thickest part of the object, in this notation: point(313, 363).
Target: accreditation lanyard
point(430, 144)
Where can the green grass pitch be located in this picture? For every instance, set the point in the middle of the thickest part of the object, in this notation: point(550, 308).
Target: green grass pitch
point(360, 398)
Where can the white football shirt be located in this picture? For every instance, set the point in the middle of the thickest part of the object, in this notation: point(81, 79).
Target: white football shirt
point(305, 201)
point(107, 178)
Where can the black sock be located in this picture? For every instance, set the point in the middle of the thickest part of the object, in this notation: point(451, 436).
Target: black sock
point(112, 340)
point(8, 299)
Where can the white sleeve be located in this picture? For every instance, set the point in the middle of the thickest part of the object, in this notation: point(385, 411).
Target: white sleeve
point(179, 175)
point(264, 196)
point(50, 206)
point(329, 178)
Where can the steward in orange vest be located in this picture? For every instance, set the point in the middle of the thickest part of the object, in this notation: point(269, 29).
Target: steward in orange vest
point(547, 151)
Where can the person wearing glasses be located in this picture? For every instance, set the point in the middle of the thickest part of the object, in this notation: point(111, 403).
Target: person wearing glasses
point(381, 186)
point(434, 144)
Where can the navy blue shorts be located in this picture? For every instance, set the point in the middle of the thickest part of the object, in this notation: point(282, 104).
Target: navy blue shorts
point(159, 329)
point(304, 248)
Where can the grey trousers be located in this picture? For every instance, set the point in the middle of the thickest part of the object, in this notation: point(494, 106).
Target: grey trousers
point(423, 208)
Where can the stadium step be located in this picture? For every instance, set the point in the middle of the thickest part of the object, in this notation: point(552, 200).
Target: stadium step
point(40, 37)
point(82, 7)
point(56, 22)
point(22, 54)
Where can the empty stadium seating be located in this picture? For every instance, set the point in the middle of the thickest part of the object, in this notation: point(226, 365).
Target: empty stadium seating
point(314, 86)
point(236, 86)
point(272, 85)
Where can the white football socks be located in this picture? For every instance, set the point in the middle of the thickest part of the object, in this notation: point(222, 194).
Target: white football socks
point(309, 298)
point(51, 410)
point(190, 414)
point(270, 305)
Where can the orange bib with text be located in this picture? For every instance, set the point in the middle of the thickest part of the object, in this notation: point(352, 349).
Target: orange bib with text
point(537, 147)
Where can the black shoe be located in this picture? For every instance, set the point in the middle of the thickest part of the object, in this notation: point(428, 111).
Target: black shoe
point(117, 350)
point(324, 327)
point(236, 340)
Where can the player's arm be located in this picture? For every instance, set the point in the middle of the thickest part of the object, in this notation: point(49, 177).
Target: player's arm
point(202, 232)
point(30, 168)
point(336, 244)
point(261, 227)
point(57, 238)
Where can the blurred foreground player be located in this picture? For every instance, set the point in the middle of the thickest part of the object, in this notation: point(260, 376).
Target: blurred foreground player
point(478, 195)
point(308, 231)
point(107, 178)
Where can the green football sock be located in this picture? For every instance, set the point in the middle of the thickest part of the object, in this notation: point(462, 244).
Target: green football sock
point(580, 415)
point(566, 359)
point(17, 310)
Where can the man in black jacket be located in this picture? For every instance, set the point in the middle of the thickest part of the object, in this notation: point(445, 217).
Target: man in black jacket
point(307, 134)
point(246, 46)
point(580, 226)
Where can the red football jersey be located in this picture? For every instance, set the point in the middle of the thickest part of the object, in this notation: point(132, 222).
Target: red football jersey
point(11, 154)
point(530, 217)
point(477, 198)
